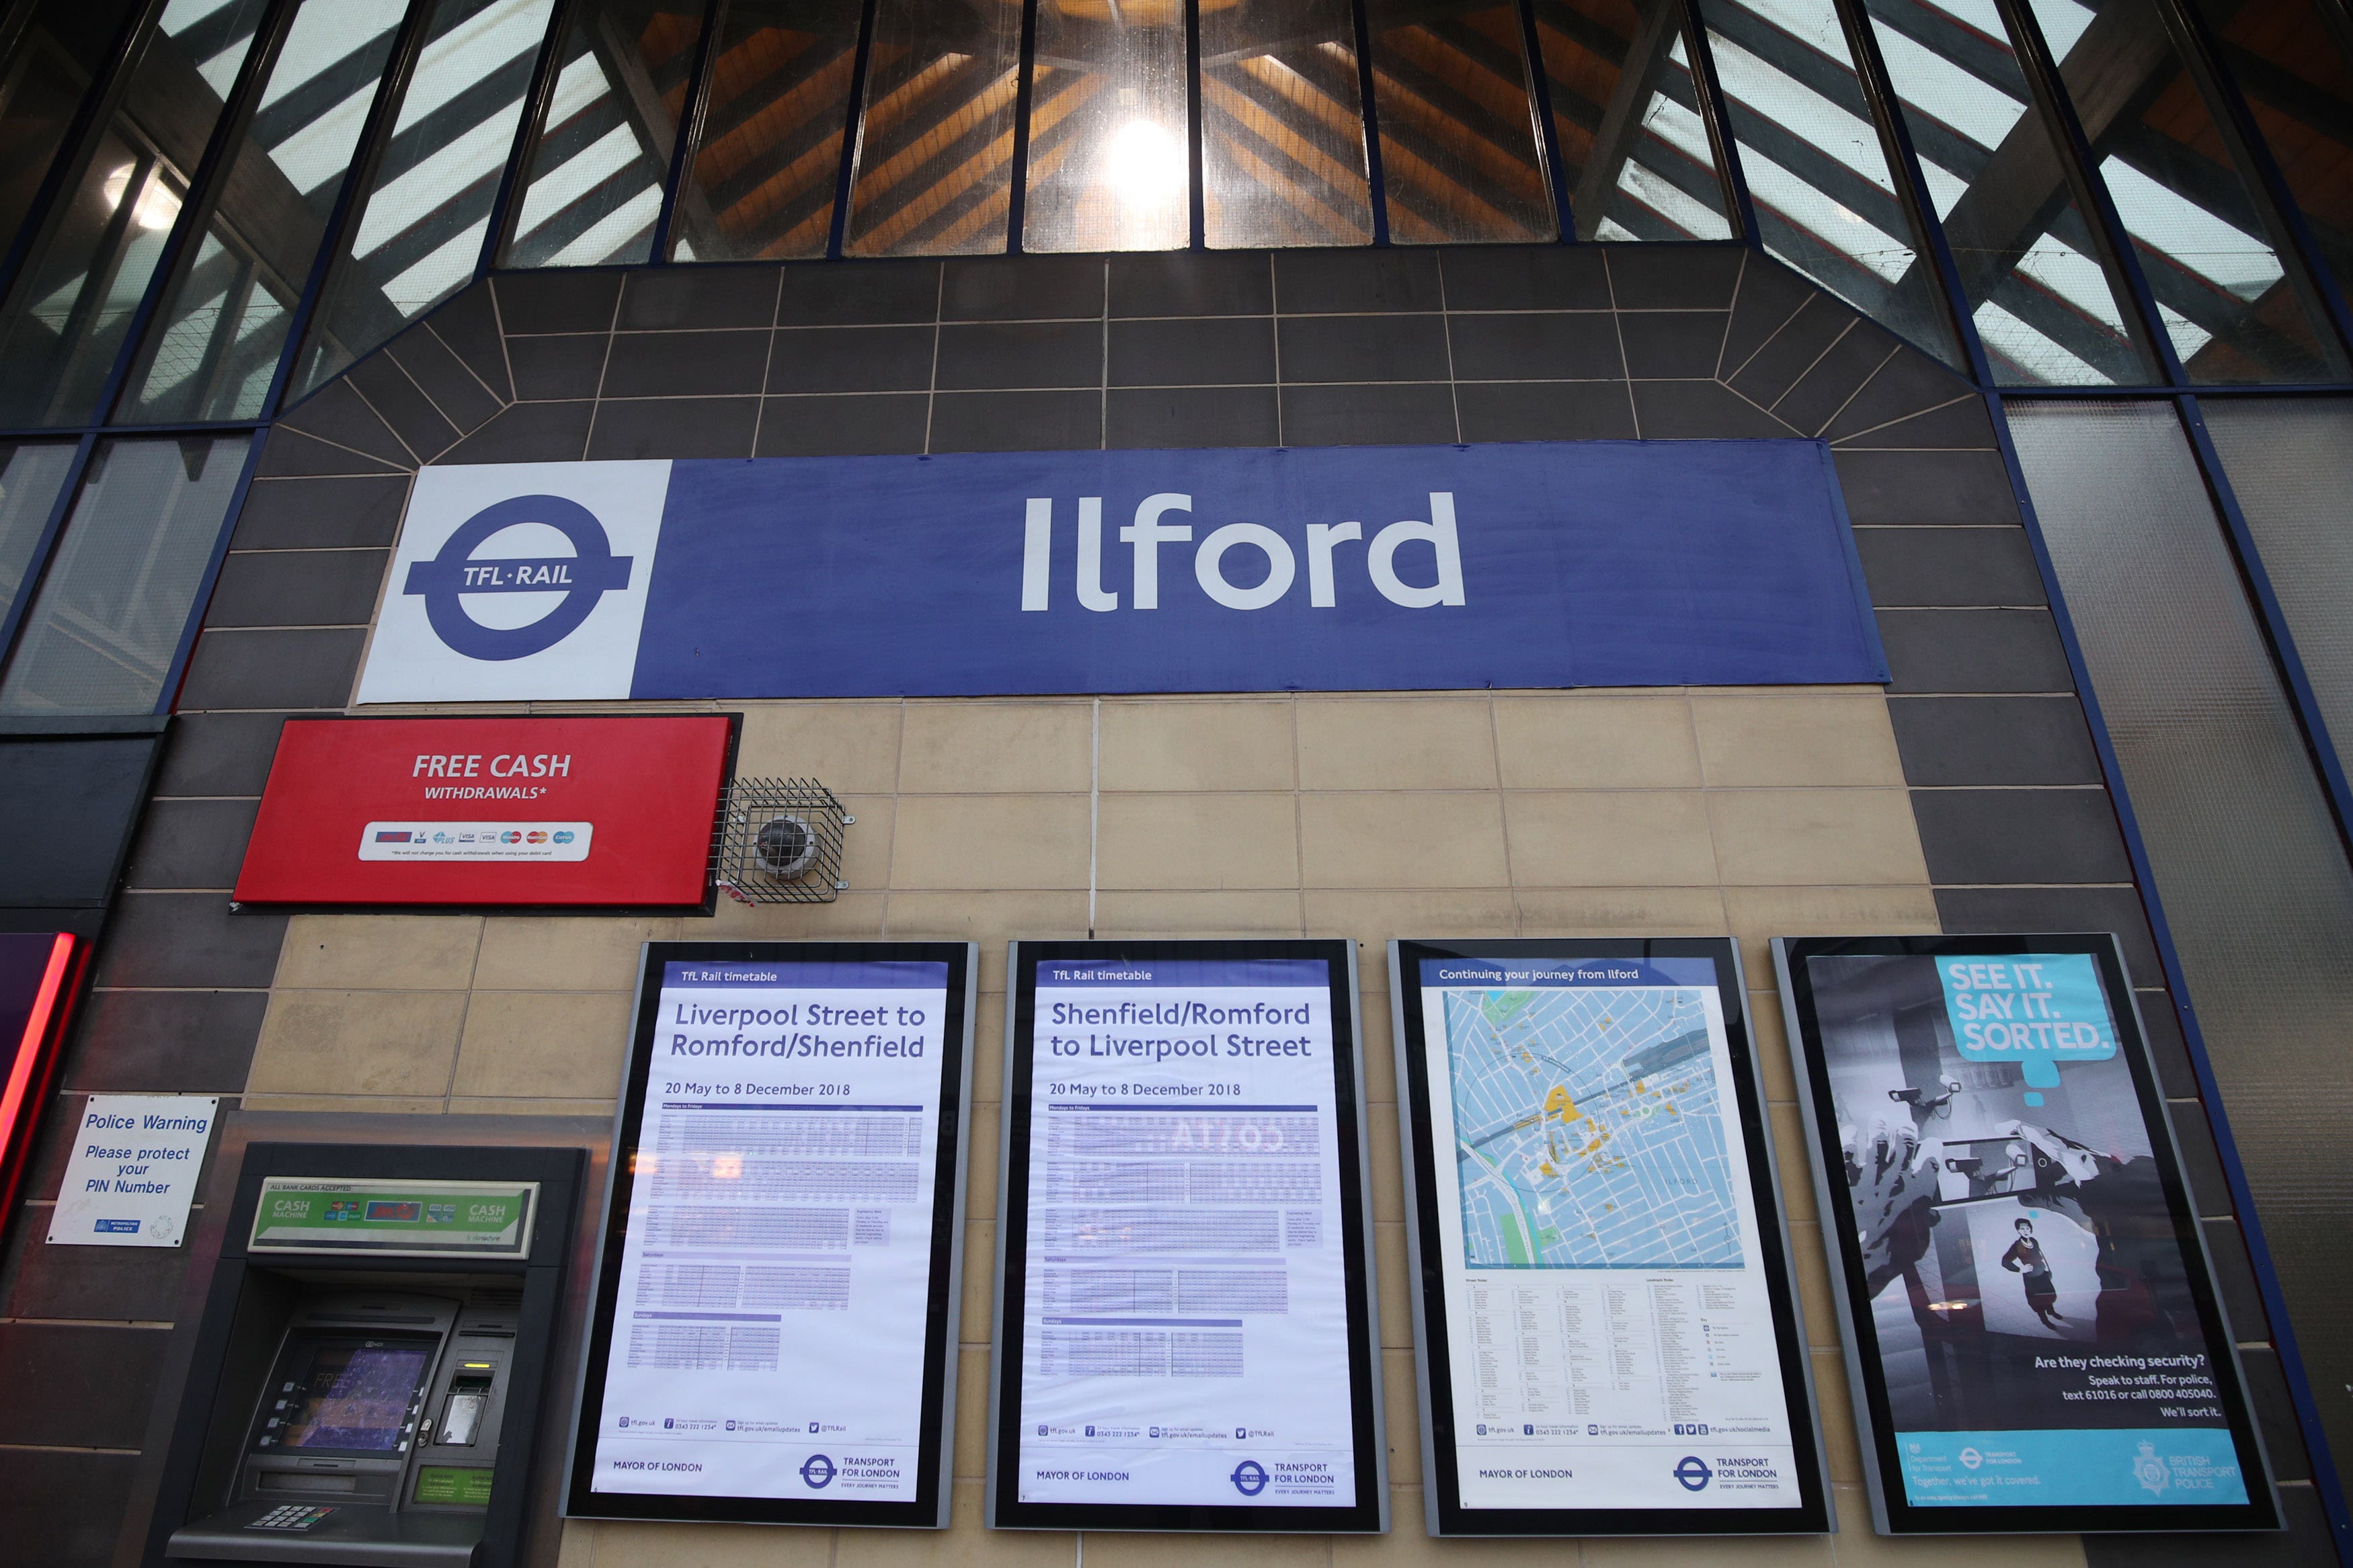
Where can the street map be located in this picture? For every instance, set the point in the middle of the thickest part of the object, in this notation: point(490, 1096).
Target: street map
point(1587, 1130)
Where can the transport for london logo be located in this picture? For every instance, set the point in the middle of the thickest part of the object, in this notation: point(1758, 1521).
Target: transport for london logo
point(584, 577)
point(1249, 1477)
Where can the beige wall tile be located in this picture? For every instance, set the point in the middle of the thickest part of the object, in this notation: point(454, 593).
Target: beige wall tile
point(530, 1105)
point(1408, 1544)
point(1241, 743)
point(1855, 1546)
point(1377, 1049)
point(1389, 1189)
point(1792, 1160)
point(1620, 911)
point(1235, 912)
point(1795, 738)
point(1816, 837)
point(394, 952)
point(955, 747)
point(966, 1543)
point(990, 841)
point(1694, 1551)
point(1384, 744)
point(972, 1412)
point(1210, 841)
point(1389, 1266)
point(1812, 1270)
point(1373, 917)
point(577, 1543)
point(347, 1104)
point(988, 1040)
point(1844, 1454)
point(544, 1043)
point(1401, 1415)
point(357, 1042)
point(1401, 841)
point(851, 748)
point(980, 1164)
point(991, 919)
point(1609, 839)
point(1113, 1549)
point(853, 914)
point(866, 841)
point(1582, 741)
point(1760, 914)
point(567, 954)
point(635, 1545)
point(979, 1277)
point(1770, 1033)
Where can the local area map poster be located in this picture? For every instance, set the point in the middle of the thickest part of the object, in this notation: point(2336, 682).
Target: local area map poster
point(771, 1338)
point(1609, 1343)
point(2034, 1338)
point(1186, 1330)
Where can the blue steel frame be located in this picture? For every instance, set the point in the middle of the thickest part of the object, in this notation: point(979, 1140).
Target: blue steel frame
point(2202, 53)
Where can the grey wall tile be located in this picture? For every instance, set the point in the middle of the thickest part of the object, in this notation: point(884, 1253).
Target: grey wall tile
point(297, 588)
point(456, 389)
point(1982, 741)
point(1021, 355)
point(1971, 566)
point(704, 297)
point(175, 940)
point(2162, 1025)
point(1524, 277)
point(1960, 423)
point(557, 299)
point(1546, 411)
point(423, 429)
point(853, 359)
point(686, 364)
point(1217, 351)
point(1021, 287)
point(1698, 410)
point(1836, 378)
point(1992, 651)
point(1192, 283)
point(468, 323)
point(1016, 421)
point(1192, 417)
point(1363, 348)
point(1321, 281)
point(218, 754)
point(1770, 298)
point(2117, 909)
point(179, 1042)
point(1925, 490)
point(1673, 277)
point(673, 427)
point(295, 668)
point(858, 293)
point(1677, 345)
point(90, 1282)
point(1368, 416)
point(63, 1508)
point(77, 1385)
point(843, 426)
point(570, 366)
point(190, 844)
point(1782, 358)
point(321, 514)
point(1574, 346)
point(2234, 1275)
point(2015, 836)
point(529, 432)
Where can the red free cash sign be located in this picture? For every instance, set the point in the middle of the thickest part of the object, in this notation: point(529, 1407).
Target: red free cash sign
point(591, 813)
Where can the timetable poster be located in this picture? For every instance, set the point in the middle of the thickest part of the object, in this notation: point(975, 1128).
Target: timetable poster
point(770, 1338)
point(2032, 1313)
point(1614, 1330)
point(1186, 1311)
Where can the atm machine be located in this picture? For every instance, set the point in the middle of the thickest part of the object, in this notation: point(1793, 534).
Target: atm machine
point(369, 1371)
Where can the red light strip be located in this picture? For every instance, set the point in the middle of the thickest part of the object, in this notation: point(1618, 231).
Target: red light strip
point(37, 1028)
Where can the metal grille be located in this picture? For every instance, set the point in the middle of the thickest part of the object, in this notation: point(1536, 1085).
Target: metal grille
point(778, 841)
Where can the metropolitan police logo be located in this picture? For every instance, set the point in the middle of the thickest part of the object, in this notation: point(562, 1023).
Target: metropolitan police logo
point(1249, 1477)
point(584, 577)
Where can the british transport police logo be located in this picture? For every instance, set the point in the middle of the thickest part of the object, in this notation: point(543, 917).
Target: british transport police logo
point(519, 580)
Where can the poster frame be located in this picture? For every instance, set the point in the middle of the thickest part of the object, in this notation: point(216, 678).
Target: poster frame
point(1891, 1513)
point(1815, 1513)
point(1369, 1515)
point(935, 1492)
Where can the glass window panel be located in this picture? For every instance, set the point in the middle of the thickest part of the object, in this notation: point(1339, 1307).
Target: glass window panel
point(2050, 306)
point(1282, 146)
point(42, 80)
point(214, 345)
point(2290, 464)
point(1816, 167)
point(2289, 58)
point(1110, 167)
point(65, 320)
point(762, 182)
point(2236, 313)
point(30, 476)
point(418, 236)
point(1633, 148)
point(935, 151)
point(1458, 138)
point(2245, 853)
point(595, 185)
point(102, 632)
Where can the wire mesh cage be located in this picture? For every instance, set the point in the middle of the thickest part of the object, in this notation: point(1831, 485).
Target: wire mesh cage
point(778, 841)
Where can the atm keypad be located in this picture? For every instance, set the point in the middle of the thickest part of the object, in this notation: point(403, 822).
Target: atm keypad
point(291, 1516)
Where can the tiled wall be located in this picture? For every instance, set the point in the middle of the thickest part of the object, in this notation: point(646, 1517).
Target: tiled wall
point(1966, 796)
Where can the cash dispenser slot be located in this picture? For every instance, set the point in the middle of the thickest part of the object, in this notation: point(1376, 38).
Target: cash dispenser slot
point(371, 1361)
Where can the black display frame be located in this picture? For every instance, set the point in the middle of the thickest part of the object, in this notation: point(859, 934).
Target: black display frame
point(1441, 1479)
point(1891, 1512)
point(1368, 1515)
point(932, 1505)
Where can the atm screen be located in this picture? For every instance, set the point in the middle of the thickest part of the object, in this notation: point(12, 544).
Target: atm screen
point(355, 1394)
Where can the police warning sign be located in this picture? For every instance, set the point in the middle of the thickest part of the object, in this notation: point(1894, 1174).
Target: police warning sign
point(604, 812)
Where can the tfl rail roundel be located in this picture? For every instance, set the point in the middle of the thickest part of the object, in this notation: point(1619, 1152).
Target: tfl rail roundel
point(584, 577)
